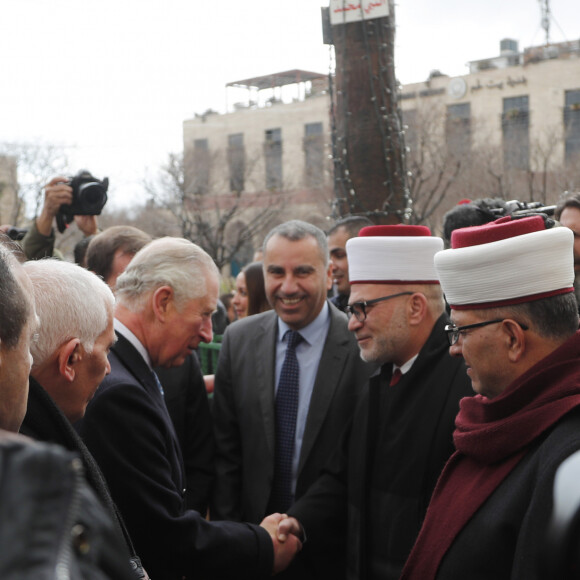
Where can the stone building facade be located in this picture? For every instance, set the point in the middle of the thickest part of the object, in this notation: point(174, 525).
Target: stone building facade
point(521, 108)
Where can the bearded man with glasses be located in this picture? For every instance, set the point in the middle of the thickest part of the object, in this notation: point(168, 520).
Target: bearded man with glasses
point(388, 462)
point(515, 324)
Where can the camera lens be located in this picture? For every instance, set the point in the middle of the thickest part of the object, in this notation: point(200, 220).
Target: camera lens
point(92, 196)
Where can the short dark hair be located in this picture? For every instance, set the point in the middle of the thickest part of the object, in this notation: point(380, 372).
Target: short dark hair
point(296, 230)
point(555, 317)
point(102, 248)
point(227, 299)
point(353, 224)
point(569, 199)
point(80, 250)
point(15, 307)
point(476, 213)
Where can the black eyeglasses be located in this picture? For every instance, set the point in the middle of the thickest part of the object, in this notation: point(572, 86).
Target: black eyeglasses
point(359, 309)
point(453, 331)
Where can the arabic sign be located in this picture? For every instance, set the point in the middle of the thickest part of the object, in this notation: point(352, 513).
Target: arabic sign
point(343, 11)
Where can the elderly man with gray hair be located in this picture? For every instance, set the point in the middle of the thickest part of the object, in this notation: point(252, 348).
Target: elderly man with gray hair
point(165, 299)
point(76, 331)
point(69, 354)
point(108, 254)
point(49, 514)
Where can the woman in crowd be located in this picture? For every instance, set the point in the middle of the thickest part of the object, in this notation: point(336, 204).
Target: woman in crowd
point(250, 295)
point(240, 299)
point(257, 301)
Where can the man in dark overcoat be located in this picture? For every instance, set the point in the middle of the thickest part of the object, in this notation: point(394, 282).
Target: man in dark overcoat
point(388, 462)
point(165, 299)
point(69, 353)
point(515, 323)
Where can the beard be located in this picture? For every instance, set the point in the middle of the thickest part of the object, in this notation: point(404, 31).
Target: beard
point(389, 343)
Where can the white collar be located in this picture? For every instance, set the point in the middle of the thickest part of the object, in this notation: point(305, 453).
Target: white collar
point(130, 336)
point(407, 366)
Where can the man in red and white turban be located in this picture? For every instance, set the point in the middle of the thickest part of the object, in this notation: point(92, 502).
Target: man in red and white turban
point(388, 462)
point(514, 322)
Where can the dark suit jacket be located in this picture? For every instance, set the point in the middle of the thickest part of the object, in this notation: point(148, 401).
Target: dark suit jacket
point(388, 463)
point(129, 432)
point(187, 403)
point(244, 413)
point(44, 421)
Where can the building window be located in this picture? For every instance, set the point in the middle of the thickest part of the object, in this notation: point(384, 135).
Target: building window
point(313, 155)
point(273, 158)
point(199, 168)
point(236, 161)
point(572, 126)
point(410, 127)
point(515, 121)
point(458, 129)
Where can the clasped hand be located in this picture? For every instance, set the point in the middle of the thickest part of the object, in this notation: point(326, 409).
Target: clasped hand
point(285, 533)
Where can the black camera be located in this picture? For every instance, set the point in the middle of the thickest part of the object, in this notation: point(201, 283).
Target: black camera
point(89, 198)
point(523, 209)
point(526, 208)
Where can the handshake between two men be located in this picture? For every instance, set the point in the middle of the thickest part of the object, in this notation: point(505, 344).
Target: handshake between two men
point(286, 534)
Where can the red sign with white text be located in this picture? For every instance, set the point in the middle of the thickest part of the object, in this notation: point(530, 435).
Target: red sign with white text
point(343, 11)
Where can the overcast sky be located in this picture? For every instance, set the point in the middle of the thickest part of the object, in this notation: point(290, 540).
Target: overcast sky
point(114, 79)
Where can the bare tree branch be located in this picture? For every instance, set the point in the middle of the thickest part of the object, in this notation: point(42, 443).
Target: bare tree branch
point(37, 162)
point(210, 213)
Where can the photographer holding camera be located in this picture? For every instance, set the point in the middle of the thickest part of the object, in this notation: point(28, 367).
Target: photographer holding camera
point(61, 201)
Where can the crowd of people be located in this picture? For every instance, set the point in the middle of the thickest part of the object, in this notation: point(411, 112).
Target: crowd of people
point(387, 403)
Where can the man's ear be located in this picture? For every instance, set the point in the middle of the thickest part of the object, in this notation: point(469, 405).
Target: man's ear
point(69, 355)
point(329, 276)
point(162, 299)
point(416, 308)
point(515, 339)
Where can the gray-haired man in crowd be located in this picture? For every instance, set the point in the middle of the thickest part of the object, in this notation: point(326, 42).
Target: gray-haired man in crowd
point(166, 297)
point(37, 481)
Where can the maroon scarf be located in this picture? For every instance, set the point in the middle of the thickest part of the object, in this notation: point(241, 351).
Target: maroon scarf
point(491, 437)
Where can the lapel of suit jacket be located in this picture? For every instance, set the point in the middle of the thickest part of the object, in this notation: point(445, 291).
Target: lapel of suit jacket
point(134, 363)
point(265, 358)
point(328, 377)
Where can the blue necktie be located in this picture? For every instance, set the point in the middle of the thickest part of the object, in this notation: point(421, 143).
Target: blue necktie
point(286, 413)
